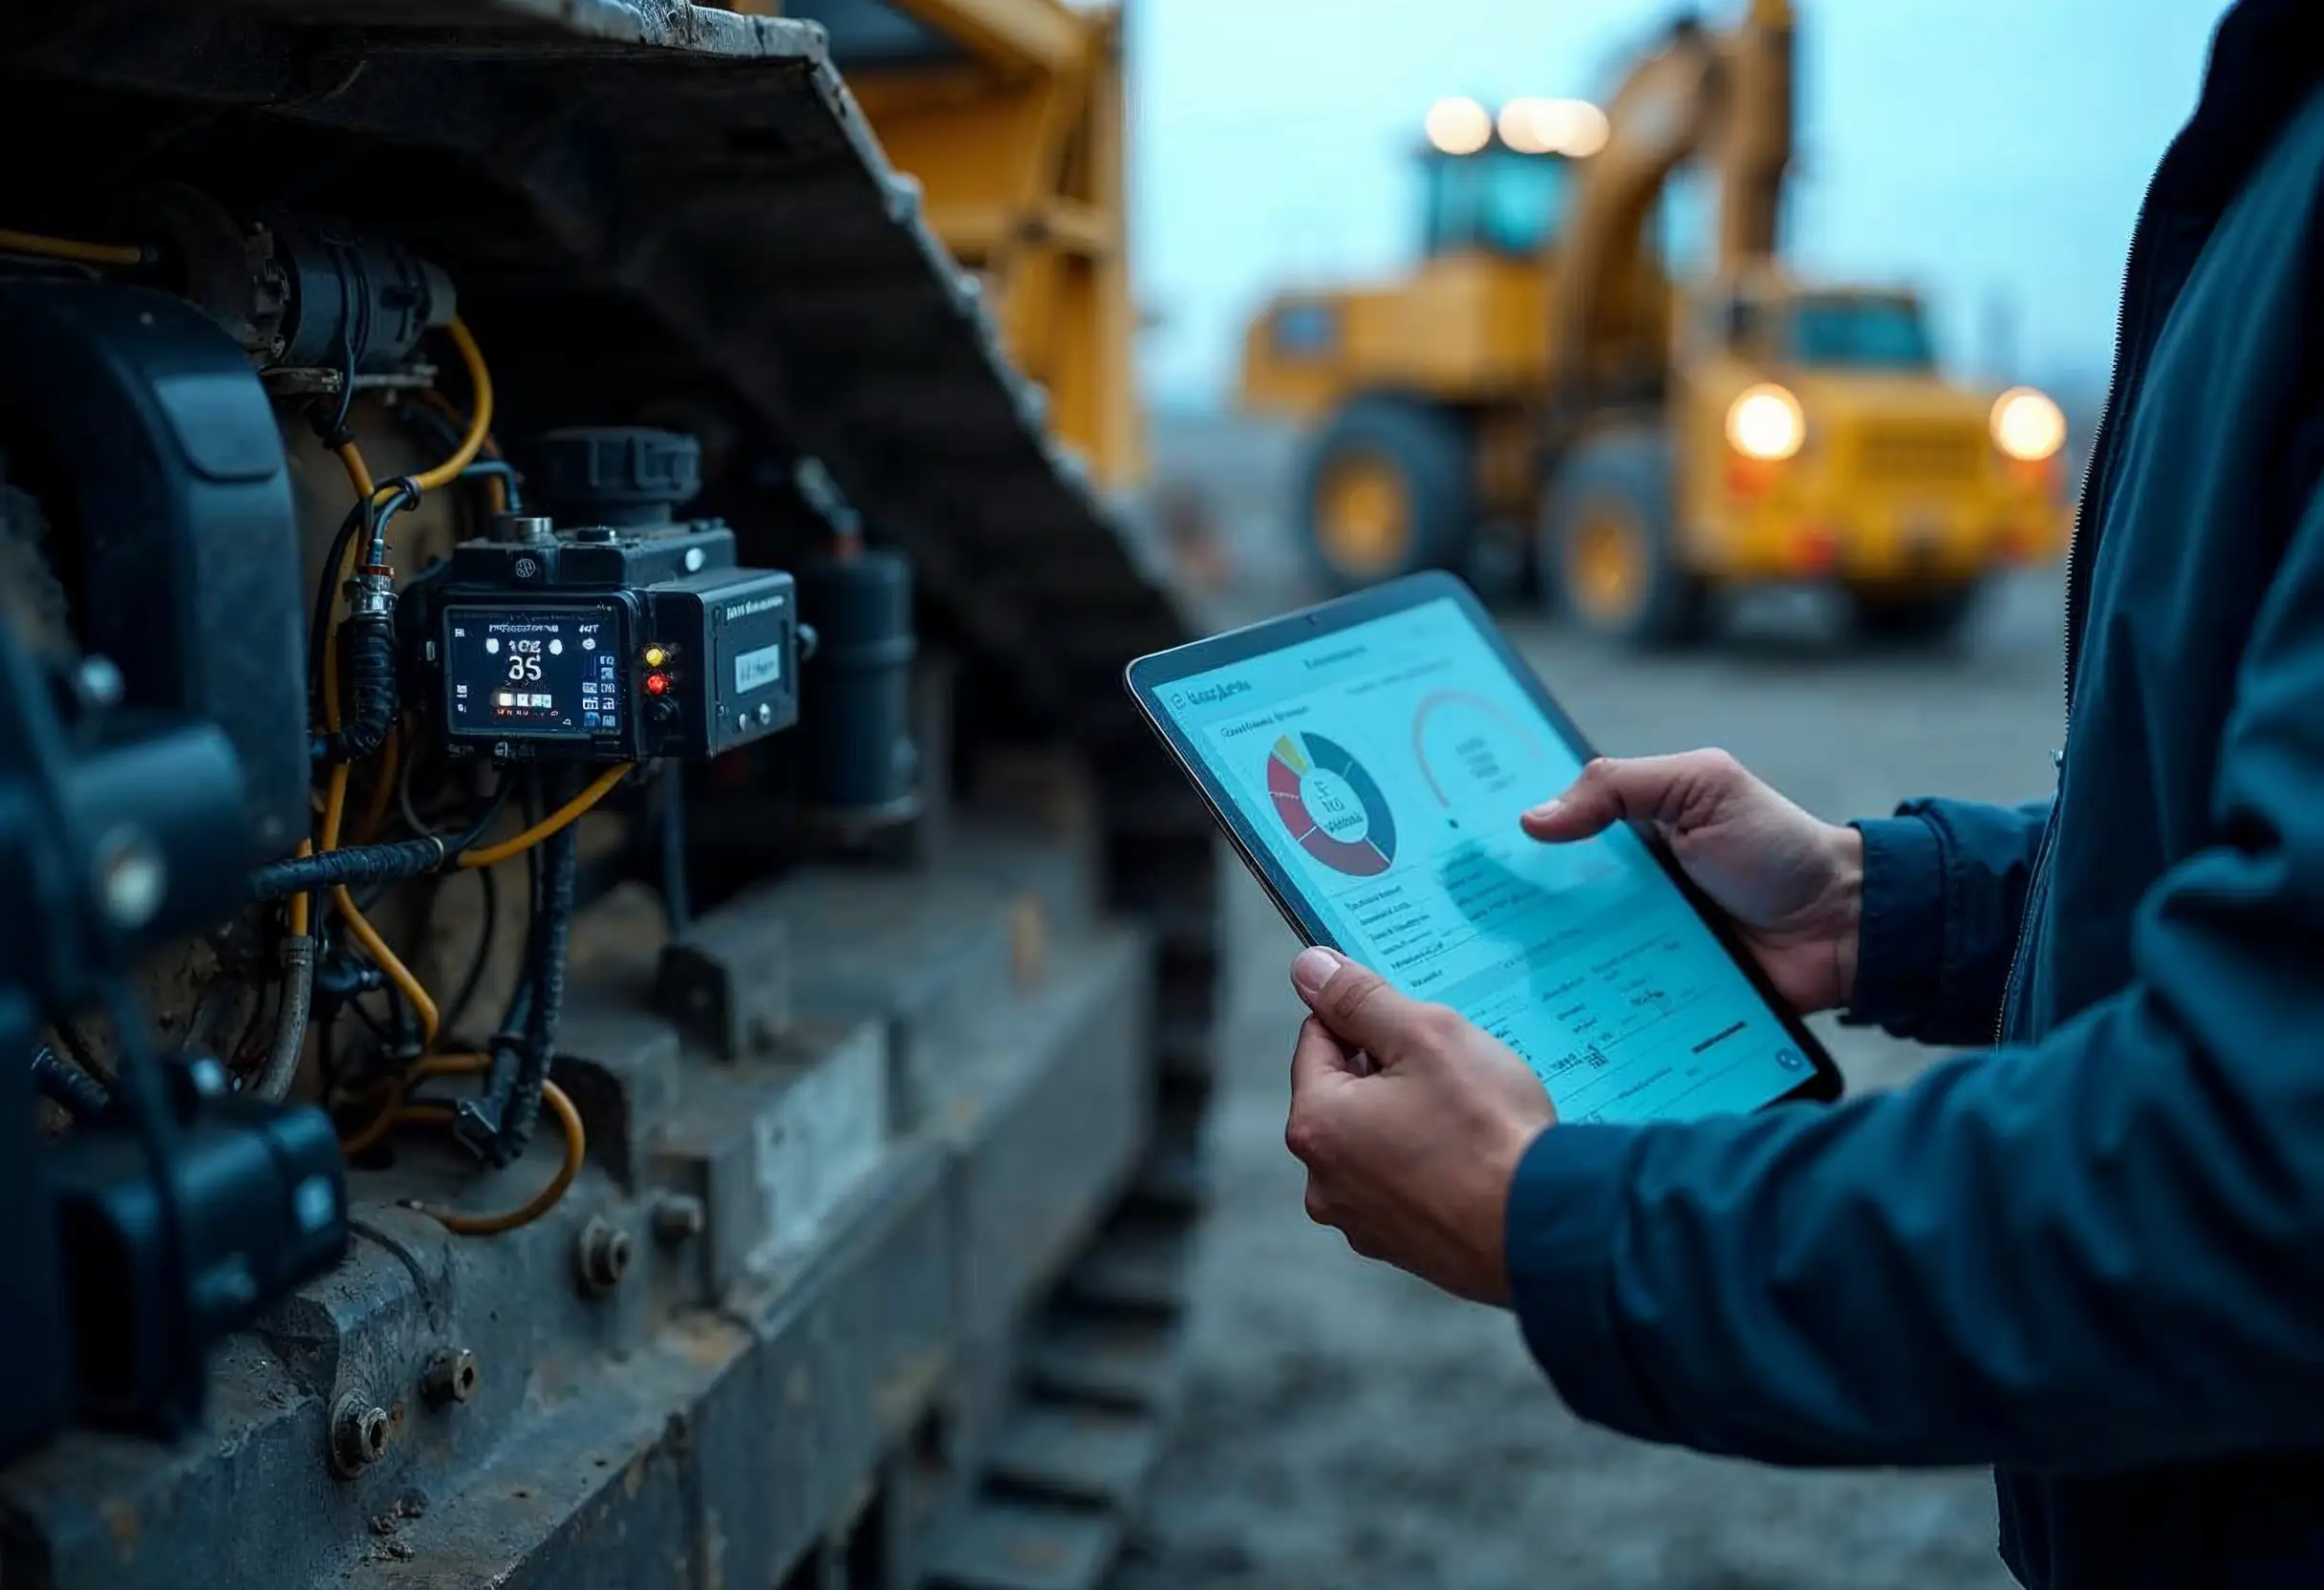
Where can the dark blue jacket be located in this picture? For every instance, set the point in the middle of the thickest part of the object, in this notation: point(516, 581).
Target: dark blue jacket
point(2092, 1255)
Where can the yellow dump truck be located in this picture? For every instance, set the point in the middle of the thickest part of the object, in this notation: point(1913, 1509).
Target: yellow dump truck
point(1553, 375)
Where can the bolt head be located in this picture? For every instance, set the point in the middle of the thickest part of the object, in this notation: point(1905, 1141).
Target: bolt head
point(678, 1217)
point(132, 879)
point(359, 1431)
point(451, 1376)
point(604, 1255)
point(767, 713)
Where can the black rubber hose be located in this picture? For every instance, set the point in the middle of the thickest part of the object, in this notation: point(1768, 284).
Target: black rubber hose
point(367, 687)
point(477, 1122)
point(677, 904)
point(358, 866)
point(290, 1019)
point(523, 1111)
point(68, 1086)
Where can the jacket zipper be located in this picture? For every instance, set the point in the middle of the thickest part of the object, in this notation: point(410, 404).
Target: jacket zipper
point(2098, 435)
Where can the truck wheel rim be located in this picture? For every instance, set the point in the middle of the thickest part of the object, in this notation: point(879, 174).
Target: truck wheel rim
point(1364, 514)
point(1607, 564)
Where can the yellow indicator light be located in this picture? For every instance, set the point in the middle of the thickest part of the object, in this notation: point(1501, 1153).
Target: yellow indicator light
point(656, 657)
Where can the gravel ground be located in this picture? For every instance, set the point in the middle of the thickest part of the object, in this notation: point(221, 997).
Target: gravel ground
point(1348, 1427)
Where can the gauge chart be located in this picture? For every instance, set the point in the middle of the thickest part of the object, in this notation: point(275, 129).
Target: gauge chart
point(1331, 806)
point(1467, 747)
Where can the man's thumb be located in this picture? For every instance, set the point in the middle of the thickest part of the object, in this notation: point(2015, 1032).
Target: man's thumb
point(1354, 1002)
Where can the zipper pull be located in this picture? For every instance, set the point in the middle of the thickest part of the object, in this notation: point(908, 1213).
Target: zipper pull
point(2057, 758)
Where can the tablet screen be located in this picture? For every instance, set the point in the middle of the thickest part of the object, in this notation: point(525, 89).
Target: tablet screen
point(1384, 767)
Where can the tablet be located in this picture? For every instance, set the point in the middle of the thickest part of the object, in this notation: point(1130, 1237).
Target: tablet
point(1370, 758)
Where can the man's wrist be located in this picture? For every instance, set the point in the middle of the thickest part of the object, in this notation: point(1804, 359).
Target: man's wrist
point(1848, 910)
point(1500, 1288)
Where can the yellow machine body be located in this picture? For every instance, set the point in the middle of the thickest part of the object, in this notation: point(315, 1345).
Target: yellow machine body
point(1549, 348)
point(1009, 116)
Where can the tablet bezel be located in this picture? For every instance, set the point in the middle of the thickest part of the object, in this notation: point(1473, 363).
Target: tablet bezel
point(1148, 676)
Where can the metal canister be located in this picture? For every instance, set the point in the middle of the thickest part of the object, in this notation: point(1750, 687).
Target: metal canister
point(861, 767)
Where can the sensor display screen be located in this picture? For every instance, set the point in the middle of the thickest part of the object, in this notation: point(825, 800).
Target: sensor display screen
point(520, 673)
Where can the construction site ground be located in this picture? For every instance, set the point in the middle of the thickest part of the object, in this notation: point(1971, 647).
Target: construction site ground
point(1348, 1428)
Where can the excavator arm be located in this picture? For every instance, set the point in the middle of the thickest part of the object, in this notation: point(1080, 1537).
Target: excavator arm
point(1012, 35)
point(1723, 99)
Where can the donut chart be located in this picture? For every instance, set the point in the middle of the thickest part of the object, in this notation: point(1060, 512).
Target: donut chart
point(1331, 806)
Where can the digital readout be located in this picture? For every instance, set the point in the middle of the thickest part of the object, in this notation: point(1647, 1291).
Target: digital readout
point(533, 672)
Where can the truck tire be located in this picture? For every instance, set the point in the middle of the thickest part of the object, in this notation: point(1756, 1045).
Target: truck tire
point(1924, 618)
point(1608, 544)
point(1387, 488)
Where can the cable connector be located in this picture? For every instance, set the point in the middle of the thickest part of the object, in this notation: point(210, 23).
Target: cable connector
point(372, 594)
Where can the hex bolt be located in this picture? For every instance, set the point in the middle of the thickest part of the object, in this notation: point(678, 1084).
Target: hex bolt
point(451, 1377)
point(359, 1434)
point(678, 1218)
point(604, 1254)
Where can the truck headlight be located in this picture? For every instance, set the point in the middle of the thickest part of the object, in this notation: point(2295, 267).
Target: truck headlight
point(2026, 425)
point(1766, 423)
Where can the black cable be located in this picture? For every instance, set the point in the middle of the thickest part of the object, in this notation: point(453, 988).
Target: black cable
point(357, 865)
point(676, 904)
point(523, 1111)
point(326, 585)
point(367, 687)
point(371, 867)
point(376, 1025)
point(502, 470)
point(492, 815)
point(68, 1086)
point(338, 433)
point(451, 435)
point(477, 1122)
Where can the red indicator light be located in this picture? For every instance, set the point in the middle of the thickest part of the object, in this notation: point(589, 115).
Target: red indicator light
point(657, 684)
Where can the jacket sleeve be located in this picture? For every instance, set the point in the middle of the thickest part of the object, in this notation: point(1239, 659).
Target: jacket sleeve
point(2105, 1250)
point(1944, 892)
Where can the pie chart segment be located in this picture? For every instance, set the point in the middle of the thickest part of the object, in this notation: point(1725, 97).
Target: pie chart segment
point(1331, 806)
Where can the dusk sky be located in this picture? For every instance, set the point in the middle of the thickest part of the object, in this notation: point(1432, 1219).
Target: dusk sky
point(1978, 149)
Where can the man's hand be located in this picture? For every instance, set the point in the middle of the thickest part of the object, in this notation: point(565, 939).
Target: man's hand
point(1411, 1156)
point(1793, 883)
